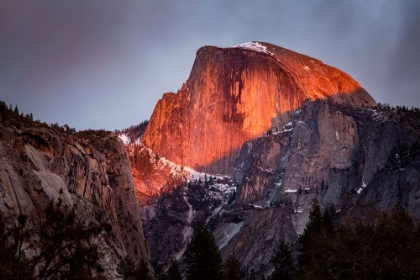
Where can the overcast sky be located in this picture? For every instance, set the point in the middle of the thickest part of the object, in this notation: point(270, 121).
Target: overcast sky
point(105, 63)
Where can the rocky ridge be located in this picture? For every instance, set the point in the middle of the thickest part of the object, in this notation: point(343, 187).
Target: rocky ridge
point(41, 164)
point(233, 96)
point(345, 158)
point(271, 121)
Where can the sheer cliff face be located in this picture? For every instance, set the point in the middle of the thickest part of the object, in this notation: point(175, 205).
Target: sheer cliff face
point(329, 149)
point(346, 158)
point(38, 165)
point(234, 95)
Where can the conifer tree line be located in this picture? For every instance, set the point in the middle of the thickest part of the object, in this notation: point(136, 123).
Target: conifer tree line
point(58, 242)
point(380, 246)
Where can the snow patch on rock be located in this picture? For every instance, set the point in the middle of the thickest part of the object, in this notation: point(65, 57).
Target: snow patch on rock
point(254, 46)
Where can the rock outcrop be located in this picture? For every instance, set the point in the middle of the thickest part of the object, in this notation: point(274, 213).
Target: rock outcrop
point(38, 165)
point(343, 157)
point(234, 95)
point(286, 130)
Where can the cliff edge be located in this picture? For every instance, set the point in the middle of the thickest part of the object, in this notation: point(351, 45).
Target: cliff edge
point(234, 95)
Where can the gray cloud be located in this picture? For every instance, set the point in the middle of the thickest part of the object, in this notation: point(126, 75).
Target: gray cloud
point(104, 63)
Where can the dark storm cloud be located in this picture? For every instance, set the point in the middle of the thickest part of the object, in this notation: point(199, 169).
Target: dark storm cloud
point(105, 63)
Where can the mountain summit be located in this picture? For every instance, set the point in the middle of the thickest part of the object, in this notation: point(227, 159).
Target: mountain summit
point(236, 94)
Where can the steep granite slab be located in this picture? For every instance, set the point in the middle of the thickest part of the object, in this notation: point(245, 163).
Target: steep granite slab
point(38, 165)
point(234, 95)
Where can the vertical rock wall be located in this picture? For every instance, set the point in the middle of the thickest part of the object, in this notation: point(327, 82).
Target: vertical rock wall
point(234, 95)
point(38, 165)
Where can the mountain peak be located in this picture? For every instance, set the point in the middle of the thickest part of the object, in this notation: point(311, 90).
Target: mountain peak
point(234, 95)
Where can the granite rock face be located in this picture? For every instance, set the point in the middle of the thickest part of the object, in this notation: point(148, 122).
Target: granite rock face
point(285, 129)
point(234, 95)
point(38, 165)
point(343, 157)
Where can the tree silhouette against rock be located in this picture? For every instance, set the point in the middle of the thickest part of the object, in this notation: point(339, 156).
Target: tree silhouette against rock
point(232, 268)
point(173, 272)
point(284, 268)
point(58, 242)
point(203, 258)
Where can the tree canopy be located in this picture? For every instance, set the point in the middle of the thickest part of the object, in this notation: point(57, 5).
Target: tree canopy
point(56, 243)
point(203, 258)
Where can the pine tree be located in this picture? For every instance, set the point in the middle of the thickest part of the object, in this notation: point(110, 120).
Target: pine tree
point(283, 262)
point(232, 268)
point(312, 242)
point(398, 245)
point(203, 258)
point(143, 271)
point(126, 269)
point(14, 263)
point(159, 273)
point(173, 272)
point(312, 271)
point(62, 238)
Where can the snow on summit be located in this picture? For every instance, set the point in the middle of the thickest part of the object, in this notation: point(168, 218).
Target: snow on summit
point(255, 46)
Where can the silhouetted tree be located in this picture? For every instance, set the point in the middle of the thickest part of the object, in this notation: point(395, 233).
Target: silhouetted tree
point(319, 228)
point(51, 244)
point(312, 271)
point(203, 258)
point(387, 247)
point(14, 264)
point(283, 262)
point(232, 269)
point(160, 273)
point(143, 271)
point(126, 269)
point(173, 272)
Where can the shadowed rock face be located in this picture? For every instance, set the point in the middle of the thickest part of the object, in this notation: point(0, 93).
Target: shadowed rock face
point(346, 158)
point(38, 165)
point(234, 95)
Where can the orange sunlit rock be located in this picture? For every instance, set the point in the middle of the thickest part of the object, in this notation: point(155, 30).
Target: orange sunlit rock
point(236, 94)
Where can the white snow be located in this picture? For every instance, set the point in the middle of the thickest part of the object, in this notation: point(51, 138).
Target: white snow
point(124, 138)
point(290, 191)
point(255, 46)
point(361, 188)
point(195, 175)
point(287, 128)
point(222, 187)
point(175, 169)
